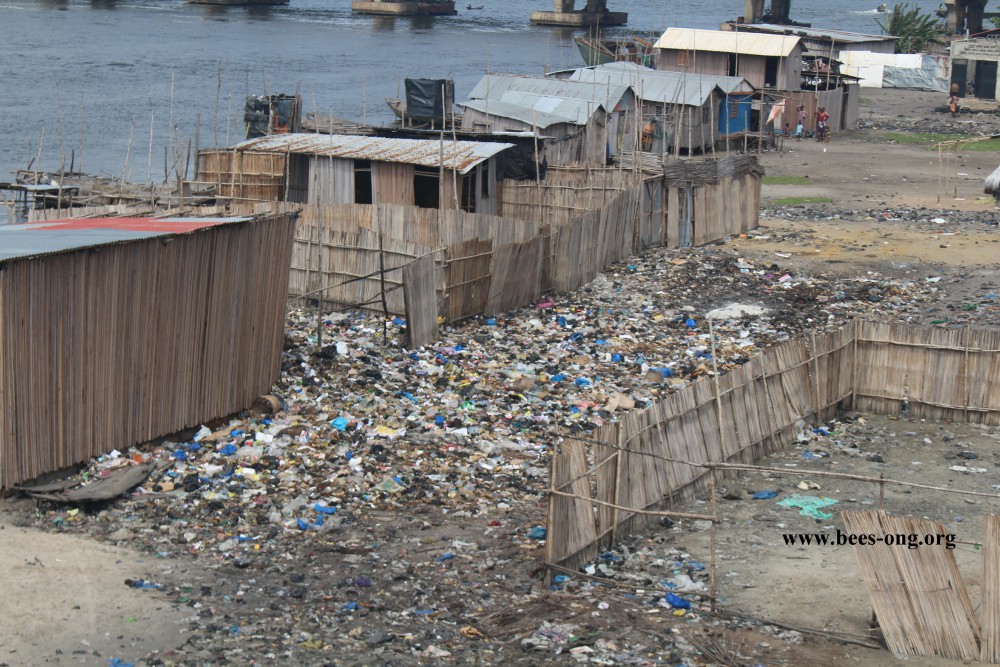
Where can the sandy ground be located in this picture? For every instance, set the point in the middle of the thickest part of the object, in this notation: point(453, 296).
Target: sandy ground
point(821, 588)
point(72, 606)
point(64, 602)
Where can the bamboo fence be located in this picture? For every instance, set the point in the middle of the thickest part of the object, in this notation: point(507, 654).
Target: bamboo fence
point(642, 465)
point(990, 591)
point(920, 601)
point(105, 348)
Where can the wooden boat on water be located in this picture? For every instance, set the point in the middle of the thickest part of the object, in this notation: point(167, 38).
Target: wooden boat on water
point(624, 49)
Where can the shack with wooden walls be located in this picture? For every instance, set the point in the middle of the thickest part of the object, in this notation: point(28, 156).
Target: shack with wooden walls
point(116, 331)
point(764, 60)
point(679, 113)
point(346, 169)
point(580, 120)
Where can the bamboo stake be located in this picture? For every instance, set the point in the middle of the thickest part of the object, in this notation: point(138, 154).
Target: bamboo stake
point(131, 134)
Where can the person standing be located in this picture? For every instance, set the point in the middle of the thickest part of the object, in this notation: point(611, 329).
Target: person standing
point(822, 118)
point(800, 122)
point(953, 104)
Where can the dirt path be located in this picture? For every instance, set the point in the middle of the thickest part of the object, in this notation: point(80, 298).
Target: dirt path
point(64, 601)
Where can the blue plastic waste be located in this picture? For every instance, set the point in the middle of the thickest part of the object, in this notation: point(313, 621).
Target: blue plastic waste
point(664, 372)
point(180, 455)
point(561, 321)
point(690, 324)
point(677, 602)
point(576, 338)
point(350, 606)
point(616, 358)
point(765, 495)
point(558, 377)
point(324, 509)
point(491, 322)
point(560, 579)
point(228, 450)
point(118, 662)
point(439, 420)
point(537, 533)
point(443, 557)
point(398, 321)
point(582, 382)
point(340, 423)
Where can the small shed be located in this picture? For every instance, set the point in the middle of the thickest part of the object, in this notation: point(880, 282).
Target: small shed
point(679, 112)
point(975, 61)
point(347, 169)
point(764, 60)
point(581, 119)
point(117, 331)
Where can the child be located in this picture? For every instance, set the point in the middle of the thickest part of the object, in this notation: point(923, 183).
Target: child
point(798, 131)
point(788, 131)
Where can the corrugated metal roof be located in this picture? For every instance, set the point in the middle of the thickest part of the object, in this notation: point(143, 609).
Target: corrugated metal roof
point(749, 43)
point(818, 33)
point(659, 86)
point(46, 238)
point(527, 113)
point(461, 156)
point(548, 100)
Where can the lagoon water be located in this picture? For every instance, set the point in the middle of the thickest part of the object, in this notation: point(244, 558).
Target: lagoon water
point(88, 73)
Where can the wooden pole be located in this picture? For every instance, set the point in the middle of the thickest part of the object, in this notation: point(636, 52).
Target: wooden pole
point(131, 134)
point(218, 96)
point(149, 159)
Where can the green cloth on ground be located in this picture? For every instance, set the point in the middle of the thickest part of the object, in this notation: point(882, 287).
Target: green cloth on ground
point(809, 505)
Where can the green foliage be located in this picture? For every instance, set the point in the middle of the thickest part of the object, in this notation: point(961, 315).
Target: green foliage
point(913, 28)
point(798, 201)
point(995, 20)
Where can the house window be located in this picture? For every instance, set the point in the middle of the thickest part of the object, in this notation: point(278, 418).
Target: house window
point(362, 182)
point(426, 187)
point(484, 179)
point(469, 192)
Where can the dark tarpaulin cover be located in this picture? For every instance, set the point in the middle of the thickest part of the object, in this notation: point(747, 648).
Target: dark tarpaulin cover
point(424, 98)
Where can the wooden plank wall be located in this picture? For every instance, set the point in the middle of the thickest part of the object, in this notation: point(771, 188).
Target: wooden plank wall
point(110, 347)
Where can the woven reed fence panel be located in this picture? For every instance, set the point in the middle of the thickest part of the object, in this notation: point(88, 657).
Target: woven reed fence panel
point(565, 194)
point(421, 302)
point(350, 268)
point(109, 347)
point(240, 175)
point(644, 462)
point(926, 373)
point(990, 590)
point(515, 276)
point(468, 283)
point(920, 601)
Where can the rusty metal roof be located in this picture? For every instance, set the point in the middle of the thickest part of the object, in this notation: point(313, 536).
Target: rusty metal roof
point(46, 238)
point(461, 156)
point(723, 41)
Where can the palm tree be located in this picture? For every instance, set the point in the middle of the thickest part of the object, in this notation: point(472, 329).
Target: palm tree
point(913, 28)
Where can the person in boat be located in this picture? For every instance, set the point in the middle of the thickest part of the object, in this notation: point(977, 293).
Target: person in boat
point(881, 8)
